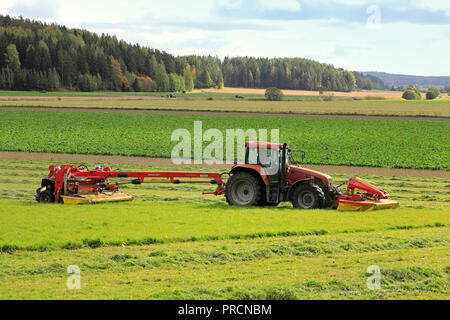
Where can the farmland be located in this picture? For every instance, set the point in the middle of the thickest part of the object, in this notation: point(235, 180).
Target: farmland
point(400, 144)
point(157, 246)
point(172, 242)
point(226, 102)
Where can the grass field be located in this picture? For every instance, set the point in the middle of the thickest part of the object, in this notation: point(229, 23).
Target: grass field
point(225, 102)
point(174, 243)
point(379, 143)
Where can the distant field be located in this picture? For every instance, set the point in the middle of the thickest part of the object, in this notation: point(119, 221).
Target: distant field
point(360, 94)
point(174, 243)
point(376, 143)
point(225, 102)
point(225, 92)
point(438, 108)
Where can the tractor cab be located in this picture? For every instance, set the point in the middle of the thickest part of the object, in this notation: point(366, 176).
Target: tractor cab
point(264, 154)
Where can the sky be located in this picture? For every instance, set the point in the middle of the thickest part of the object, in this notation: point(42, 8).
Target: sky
point(403, 36)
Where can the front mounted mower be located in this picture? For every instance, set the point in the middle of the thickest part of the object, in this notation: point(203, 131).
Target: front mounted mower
point(268, 177)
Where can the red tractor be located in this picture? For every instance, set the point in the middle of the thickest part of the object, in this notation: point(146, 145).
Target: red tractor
point(268, 177)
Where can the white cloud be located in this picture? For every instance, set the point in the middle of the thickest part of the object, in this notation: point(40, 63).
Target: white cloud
point(182, 27)
point(5, 5)
point(230, 4)
point(285, 5)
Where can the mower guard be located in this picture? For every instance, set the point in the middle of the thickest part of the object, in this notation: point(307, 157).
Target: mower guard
point(97, 198)
point(373, 198)
point(347, 205)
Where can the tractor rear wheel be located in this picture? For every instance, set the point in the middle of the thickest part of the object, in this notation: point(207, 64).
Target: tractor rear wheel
point(243, 189)
point(308, 196)
point(46, 196)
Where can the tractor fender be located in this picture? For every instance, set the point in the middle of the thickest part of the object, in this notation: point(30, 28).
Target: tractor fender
point(295, 185)
point(257, 171)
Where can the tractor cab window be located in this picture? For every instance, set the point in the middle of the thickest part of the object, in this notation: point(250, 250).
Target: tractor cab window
point(264, 157)
point(252, 156)
point(268, 157)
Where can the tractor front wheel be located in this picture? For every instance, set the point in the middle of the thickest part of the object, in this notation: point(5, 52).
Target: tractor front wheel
point(243, 189)
point(46, 196)
point(308, 196)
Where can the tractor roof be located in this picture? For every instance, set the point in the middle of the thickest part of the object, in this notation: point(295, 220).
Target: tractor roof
point(264, 145)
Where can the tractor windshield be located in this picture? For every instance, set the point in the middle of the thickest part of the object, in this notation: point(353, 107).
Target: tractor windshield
point(264, 157)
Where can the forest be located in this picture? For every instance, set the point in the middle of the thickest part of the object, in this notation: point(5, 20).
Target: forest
point(40, 56)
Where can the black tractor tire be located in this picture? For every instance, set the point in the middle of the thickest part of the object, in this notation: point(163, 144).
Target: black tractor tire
point(243, 190)
point(46, 196)
point(308, 196)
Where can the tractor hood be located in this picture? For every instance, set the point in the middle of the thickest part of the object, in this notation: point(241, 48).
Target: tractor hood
point(296, 173)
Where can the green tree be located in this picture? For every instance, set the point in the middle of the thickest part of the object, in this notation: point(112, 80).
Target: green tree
point(161, 78)
point(136, 87)
point(432, 93)
point(42, 57)
point(12, 60)
point(54, 82)
point(8, 78)
point(274, 94)
point(410, 94)
point(418, 95)
point(188, 79)
point(205, 80)
point(115, 72)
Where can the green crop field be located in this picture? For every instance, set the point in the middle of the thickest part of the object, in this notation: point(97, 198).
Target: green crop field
point(378, 143)
point(174, 243)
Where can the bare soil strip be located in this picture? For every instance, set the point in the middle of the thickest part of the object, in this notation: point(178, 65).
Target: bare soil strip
point(158, 162)
point(231, 113)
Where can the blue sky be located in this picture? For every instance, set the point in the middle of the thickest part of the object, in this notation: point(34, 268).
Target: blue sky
point(405, 36)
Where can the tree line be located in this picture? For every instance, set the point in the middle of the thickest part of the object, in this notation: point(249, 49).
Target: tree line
point(290, 73)
point(36, 55)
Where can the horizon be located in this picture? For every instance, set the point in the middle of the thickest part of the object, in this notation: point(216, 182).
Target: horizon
point(358, 36)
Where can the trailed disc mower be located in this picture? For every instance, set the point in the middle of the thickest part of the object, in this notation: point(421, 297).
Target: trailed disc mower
point(268, 177)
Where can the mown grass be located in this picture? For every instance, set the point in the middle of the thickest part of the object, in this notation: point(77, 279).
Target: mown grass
point(173, 243)
point(412, 263)
point(40, 227)
point(189, 216)
point(377, 143)
point(20, 178)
